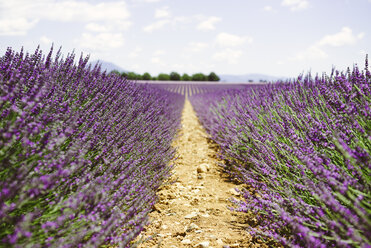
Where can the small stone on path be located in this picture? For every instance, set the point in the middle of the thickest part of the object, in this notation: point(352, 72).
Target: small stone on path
point(204, 244)
point(234, 192)
point(191, 227)
point(191, 215)
point(186, 242)
point(202, 168)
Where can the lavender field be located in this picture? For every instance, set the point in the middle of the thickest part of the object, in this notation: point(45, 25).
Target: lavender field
point(303, 150)
point(83, 153)
point(197, 87)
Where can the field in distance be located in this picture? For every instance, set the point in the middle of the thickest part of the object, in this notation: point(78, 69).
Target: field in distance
point(189, 88)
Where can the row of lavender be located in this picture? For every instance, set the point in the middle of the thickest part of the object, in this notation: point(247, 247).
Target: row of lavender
point(303, 148)
point(82, 153)
point(189, 89)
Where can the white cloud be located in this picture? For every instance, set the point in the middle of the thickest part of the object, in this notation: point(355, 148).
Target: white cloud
point(158, 53)
point(157, 61)
point(188, 68)
point(146, 1)
point(135, 53)
point(208, 24)
point(179, 67)
point(197, 46)
point(175, 21)
point(316, 51)
point(71, 10)
point(75, 11)
point(121, 25)
point(344, 37)
point(312, 53)
point(15, 26)
point(24, 13)
point(156, 25)
point(162, 13)
point(136, 67)
point(45, 40)
point(230, 40)
point(296, 5)
point(95, 27)
point(363, 52)
point(181, 20)
point(184, 19)
point(361, 35)
point(106, 27)
point(229, 55)
point(268, 8)
point(101, 41)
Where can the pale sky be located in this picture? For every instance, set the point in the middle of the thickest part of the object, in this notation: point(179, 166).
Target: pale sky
point(274, 37)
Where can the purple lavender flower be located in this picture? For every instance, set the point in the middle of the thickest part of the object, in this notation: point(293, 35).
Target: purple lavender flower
point(303, 149)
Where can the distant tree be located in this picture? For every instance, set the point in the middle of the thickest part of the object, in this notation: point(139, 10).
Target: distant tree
point(163, 77)
point(213, 77)
point(186, 77)
point(250, 80)
point(199, 77)
point(124, 75)
point(174, 76)
point(133, 76)
point(115, 72)
point(146, 76)
point(154, 78)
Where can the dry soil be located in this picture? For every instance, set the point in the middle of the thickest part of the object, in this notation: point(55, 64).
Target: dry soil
point(193, 211)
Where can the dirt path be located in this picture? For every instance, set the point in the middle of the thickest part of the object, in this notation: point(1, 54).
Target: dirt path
point(193, 211)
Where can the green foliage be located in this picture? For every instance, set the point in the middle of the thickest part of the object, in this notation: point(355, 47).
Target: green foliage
point(131, 75)
point(199, 77)
point(213, 77)
point(186, 77)
point(115, 72)
point(174, 76)
point(134, 76)
point(146, 76)
point(163, 77)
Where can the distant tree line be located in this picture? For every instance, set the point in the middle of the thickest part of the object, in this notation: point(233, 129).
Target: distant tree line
point(173, 76)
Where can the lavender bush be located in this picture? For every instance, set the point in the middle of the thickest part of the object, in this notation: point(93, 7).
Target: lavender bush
point(81, 152)
point(303, 148)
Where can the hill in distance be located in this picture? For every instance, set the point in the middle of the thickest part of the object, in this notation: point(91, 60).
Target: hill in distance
point(108, 66)
point(255, 77)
